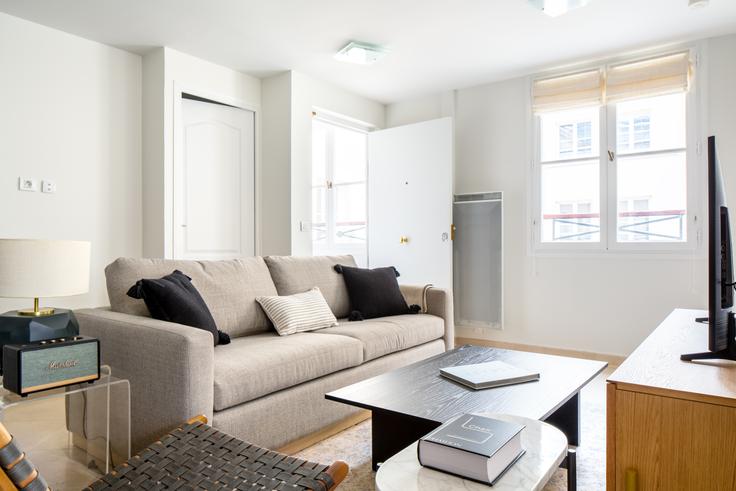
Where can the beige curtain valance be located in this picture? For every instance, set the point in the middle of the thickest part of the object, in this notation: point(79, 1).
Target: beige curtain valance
point(579, 89)
point(646, 78)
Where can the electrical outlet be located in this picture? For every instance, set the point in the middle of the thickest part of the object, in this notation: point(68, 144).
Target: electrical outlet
point(48, 186)
point(27, 184)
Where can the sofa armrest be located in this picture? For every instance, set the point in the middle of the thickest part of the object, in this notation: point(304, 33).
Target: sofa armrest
point(170, 368)
point(439, 303)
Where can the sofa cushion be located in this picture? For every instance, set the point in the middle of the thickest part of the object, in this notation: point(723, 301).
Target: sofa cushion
point(173, 298)
point(386, 335)
point(253, 366)
point(296, 274)
point(229, 288)
point(373, 292)
point(298, 312)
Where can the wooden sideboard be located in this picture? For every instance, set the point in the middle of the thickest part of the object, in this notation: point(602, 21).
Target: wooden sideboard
point(671, 425)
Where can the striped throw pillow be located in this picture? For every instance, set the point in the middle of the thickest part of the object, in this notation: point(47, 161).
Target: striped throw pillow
point(299, 312)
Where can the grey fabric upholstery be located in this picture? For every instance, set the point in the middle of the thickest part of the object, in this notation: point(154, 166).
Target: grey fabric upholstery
point(229, 288)
point(253, 366)
point(279, 418)
point(262, 388)
point(439, 303)
point(170, 368)
point(297, 274)
point(386, 335)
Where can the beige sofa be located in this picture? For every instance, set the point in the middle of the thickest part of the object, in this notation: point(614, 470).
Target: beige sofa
point(261, 387)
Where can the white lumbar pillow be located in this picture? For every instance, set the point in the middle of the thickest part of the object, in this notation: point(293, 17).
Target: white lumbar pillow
point(299, 312)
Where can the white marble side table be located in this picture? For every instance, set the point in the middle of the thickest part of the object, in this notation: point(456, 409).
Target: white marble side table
point(545, 445)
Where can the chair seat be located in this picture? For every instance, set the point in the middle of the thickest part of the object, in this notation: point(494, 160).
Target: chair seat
point(253, 366)
point(198, 456)
point(386, 335)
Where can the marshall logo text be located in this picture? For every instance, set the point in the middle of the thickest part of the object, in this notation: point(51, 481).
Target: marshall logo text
point(58, 365)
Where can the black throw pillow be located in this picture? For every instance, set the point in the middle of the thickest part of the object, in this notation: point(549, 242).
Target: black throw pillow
point(373, 292)
point(173, 298)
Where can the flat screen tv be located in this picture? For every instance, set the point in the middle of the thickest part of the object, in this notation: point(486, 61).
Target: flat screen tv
point(720, 320)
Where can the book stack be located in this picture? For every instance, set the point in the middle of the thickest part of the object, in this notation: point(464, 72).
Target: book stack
point(472, 447)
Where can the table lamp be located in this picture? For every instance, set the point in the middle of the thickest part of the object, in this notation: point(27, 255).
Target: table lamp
point(36, 269)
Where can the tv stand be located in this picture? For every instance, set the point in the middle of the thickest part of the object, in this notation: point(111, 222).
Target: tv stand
point(670, 423)
point(725, 354)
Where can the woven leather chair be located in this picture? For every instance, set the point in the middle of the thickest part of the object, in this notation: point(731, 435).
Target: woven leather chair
point(194, 456)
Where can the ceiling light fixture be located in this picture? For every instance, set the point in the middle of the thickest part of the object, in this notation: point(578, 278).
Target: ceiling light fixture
point(555, 8)
point(696, 4)
point(361, 53)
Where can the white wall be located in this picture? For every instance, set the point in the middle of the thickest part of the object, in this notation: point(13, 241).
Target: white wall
point(166, 71)
point(420, 109)
point(276, 167)
point(604, 304)
point(721, 65)
point(71, 113)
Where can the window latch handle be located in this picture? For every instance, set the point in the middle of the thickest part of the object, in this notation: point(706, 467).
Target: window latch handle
point(611, 155)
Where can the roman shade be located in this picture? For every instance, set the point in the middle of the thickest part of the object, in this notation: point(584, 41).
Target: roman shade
point(652, 77)
point(569, 91)
point(648, 78)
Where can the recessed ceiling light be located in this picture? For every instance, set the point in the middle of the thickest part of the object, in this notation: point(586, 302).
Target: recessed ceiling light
point(553, 8)
point(361, 53)
point(698, 3)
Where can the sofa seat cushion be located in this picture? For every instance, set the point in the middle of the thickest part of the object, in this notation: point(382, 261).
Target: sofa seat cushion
point(297, 274)
point(386, 335)
point(253, 366)
point(229, 288)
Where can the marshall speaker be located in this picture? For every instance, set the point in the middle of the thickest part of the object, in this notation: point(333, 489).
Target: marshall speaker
point(52, 363)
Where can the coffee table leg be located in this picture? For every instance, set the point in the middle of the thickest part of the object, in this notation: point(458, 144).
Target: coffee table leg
point(572, 470)
point(567, 419)
point(393, 432)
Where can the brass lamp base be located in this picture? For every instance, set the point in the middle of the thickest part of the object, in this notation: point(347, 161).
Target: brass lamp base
point(36, 312)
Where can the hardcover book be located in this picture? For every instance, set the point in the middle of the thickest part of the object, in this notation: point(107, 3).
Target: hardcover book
point(489, 374)
point(473, 447)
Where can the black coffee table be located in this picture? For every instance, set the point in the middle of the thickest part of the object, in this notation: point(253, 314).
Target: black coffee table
point(409, 402)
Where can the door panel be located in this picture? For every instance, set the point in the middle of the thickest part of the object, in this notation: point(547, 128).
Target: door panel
point(214, 207)
point(410, 196)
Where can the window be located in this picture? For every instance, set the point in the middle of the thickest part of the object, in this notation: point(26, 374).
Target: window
point(570, 176)
point(623, 151)
point(651, 171)
point(339, 199)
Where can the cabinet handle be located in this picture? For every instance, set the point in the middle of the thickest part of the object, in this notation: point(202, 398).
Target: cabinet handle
point(631, 481)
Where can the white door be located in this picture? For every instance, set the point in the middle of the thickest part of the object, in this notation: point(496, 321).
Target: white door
point(410, 201)
point(214, 191)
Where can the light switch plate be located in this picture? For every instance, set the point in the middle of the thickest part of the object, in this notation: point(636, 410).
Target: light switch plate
point(48, 186)
point(27, 184)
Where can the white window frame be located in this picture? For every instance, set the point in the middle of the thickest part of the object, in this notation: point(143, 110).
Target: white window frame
point(608, 172)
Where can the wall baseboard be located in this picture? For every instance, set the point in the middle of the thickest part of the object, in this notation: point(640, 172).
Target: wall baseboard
point(323, 434)
point(612, 360)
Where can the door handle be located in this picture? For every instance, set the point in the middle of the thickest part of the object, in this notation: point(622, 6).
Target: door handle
point(403, 239)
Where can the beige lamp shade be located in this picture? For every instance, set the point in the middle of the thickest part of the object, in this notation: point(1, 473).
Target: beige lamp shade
point(43, 268)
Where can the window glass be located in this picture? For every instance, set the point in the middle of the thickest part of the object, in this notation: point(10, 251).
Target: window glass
point(350, 155)
point(569, 134)
point(651, 124)
point(339, 206)
point(652, 197)
point(571, 202)
point(651, 170)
